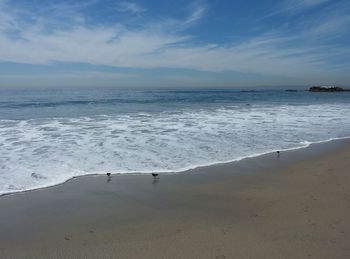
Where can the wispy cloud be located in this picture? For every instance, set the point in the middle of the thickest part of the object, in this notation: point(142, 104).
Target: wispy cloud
point(303, 4)
point(296, 6)
point(332, 25)
point(197, 12)
point(130, 7)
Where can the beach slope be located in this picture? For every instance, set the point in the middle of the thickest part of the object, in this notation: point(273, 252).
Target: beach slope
point(295, 206)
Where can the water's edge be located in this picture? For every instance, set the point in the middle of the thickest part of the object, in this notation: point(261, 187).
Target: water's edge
point(184, 170)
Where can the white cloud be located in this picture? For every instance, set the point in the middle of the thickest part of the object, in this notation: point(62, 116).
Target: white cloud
point(130, 7)
point(296, 6)
point(333, 24)
point(198, 11)
point(303, 4)
point(146, 49)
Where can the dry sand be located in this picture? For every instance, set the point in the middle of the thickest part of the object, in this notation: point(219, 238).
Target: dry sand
point(295, 206)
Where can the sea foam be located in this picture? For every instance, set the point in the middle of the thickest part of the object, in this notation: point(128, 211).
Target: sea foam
point(40, 152)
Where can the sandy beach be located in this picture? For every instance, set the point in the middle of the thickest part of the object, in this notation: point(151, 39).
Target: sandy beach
point(192, 129)
point(293, 206)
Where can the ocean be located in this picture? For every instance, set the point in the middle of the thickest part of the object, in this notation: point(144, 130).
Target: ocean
point(50, 136)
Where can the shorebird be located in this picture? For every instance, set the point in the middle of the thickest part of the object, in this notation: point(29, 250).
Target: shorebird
point(155, 175)
point(278, 153)
point(109, 177)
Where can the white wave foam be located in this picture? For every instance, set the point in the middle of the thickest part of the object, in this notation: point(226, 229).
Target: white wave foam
point(57, 149)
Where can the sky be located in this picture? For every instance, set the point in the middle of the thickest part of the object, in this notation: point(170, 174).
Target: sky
point(178, 43)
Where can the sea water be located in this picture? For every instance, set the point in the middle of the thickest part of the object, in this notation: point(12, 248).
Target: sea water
point(50, 136)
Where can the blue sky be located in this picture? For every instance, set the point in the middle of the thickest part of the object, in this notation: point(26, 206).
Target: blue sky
point(149, 43)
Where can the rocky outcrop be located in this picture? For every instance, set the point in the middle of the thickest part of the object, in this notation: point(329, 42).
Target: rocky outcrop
point(327, 89)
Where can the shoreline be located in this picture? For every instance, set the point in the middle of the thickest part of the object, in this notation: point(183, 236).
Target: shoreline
point(187, 169)
point(294, 206)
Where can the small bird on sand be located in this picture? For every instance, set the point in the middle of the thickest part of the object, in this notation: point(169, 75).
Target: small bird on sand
point(278, 153)
point(155, 175)
point(109, 177)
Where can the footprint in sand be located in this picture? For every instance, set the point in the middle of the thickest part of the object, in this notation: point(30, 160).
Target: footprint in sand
point(313, 197)
point(305, 209)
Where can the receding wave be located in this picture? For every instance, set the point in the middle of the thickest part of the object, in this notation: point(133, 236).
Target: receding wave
point(40, 152)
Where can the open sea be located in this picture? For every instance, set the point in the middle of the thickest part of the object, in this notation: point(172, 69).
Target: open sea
point(50, 136)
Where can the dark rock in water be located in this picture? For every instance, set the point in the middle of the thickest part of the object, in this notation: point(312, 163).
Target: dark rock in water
point(291, 90)
point(327, 89)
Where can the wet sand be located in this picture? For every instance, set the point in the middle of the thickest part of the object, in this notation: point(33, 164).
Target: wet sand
point(293, 206)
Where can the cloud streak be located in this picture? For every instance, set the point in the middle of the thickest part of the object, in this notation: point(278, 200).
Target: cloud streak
point(299, 5)
point(291, 7)
point(130, 7)
point(198, 10)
